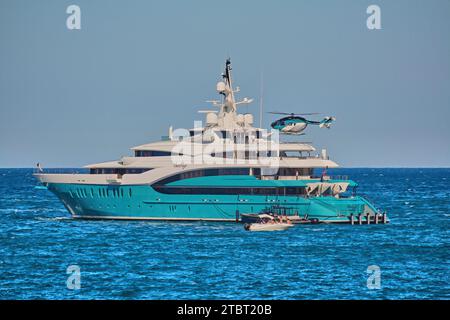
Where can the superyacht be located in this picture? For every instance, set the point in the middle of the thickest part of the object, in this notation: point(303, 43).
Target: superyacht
point(218, 171)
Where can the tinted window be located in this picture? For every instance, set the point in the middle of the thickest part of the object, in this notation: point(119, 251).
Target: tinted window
point(118, 170)
point(205, 173)
point(231, 191)
point(148, 153)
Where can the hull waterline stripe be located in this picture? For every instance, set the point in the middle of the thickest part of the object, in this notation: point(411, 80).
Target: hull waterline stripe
point(149, 218)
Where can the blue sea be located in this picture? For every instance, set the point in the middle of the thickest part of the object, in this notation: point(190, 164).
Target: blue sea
point(200, 260)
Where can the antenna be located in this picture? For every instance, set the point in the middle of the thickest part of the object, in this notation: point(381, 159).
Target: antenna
point(261, 99)
point(207, 111)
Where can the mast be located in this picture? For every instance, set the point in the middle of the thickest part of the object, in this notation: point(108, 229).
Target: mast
point(261, 100)
point(228, 117)
point(230, 103)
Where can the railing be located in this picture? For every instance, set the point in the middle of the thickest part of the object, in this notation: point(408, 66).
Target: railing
point(61, 170)
point(338, 211)
point(339, 177)
point(299, 157)
point(295, 142)
point(325, 178)
point(370, 203)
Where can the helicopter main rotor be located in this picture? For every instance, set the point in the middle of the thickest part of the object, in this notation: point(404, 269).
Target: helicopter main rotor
point(294, 114)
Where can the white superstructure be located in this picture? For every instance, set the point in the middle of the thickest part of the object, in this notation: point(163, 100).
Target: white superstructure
point(227, 140)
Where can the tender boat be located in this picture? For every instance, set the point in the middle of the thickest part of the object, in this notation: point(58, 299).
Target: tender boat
point(267, 223)
point(276, 211)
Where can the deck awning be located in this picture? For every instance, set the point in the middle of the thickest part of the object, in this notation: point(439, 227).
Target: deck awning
point(334, 186)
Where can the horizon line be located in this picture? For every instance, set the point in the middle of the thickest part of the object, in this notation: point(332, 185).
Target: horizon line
point(349, 167)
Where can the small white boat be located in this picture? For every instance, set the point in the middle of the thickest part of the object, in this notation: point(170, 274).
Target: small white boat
point(267, 223)
point(267, 226)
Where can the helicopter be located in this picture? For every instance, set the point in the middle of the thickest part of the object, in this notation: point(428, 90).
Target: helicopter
point(295, 123)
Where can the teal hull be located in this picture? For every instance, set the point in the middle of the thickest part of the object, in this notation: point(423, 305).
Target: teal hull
point(143, 202)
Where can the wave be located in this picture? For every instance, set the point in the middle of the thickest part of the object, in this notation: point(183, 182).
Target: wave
point(54, 218)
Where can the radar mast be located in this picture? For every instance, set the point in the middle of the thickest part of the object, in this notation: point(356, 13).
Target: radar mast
point(227, 116)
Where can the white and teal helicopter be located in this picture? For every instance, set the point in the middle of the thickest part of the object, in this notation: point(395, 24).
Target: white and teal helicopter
point(295, 123)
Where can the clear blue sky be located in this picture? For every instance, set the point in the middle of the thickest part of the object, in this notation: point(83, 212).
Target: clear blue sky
point(69, 98)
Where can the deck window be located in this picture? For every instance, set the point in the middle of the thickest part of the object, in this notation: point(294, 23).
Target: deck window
point(204, 173)
point(151, 153)
point(274, 191)
point(118, 170)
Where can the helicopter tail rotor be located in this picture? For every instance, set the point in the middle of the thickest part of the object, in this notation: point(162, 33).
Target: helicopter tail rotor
point(326, 122)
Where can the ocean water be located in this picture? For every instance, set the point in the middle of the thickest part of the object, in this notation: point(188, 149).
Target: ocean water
point(199, 260)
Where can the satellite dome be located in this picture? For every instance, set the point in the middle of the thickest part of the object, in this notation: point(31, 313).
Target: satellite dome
point(248, 119)
point(211, 118)
point(221, 86)
point(240, 119)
